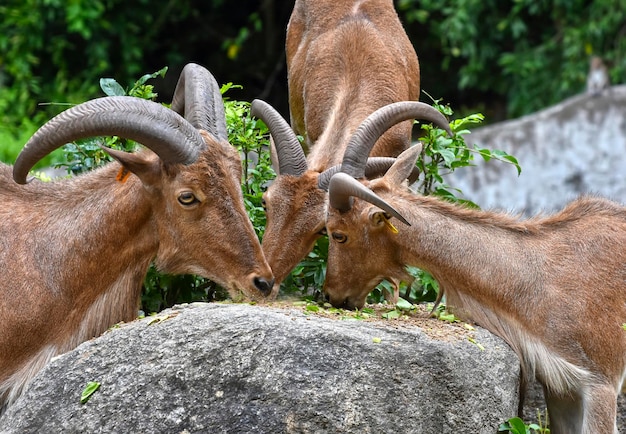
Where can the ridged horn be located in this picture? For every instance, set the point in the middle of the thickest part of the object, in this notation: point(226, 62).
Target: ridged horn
point(343, 187)
point(375, 167)
point(370, 130)
point(291, 158)
point(167, 133)
point(198, 99)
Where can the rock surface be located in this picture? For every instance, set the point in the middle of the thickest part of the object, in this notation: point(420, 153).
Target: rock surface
point(577, 146)
point(255, 369)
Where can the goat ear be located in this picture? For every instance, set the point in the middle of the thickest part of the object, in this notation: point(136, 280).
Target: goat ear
point(404, 165)
point(376, 217)
point(140, 164)
point(379, 219)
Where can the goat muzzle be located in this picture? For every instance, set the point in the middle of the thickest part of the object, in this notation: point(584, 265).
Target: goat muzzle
point(264, 285)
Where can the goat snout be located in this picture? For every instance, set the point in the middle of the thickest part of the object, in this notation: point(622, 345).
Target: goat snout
point(342, 302)
point(264, 285)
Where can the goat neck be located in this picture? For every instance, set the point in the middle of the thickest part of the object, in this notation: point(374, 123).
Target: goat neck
point(529, 281)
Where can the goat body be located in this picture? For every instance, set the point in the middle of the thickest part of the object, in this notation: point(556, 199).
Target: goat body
point(345, 59)
point(74, 253)
point(553, 287)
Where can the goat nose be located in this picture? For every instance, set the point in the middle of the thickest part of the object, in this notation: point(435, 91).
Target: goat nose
point(264, 285)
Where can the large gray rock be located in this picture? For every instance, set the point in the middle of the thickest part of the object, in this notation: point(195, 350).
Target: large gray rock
point(211, 368)
point(577, 146)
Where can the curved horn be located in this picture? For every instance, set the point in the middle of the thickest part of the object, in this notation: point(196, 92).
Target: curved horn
point(197, 97)
point(370, 130)
point(375, 167)
point(291, 158)
point(343, 187)
point(169, 135)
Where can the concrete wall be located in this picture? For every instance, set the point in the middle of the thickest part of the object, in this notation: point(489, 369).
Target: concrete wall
point(575, 147)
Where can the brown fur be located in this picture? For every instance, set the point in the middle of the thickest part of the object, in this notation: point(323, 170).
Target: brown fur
point(74, 253)
point(553, 287)
point(345, 59)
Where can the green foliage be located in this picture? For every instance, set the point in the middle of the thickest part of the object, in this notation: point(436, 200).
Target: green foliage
point(36, 66)
point(525, 54)
point(89, 390)
point(87, 154)
point(516, 425)
point(307, 279)
point(13, 140)
point(232, 46)
point(161, 291)
point(443, 155)
point(251, 137)
point(401, 307)
point(55, 50)
point(532, 53)
point(443, 315)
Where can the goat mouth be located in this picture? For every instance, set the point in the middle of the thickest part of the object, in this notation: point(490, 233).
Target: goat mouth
point(237, 293)
point(345, 303)
point(256, 289)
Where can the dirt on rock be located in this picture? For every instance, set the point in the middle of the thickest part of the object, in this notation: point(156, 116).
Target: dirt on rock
point(450, 329)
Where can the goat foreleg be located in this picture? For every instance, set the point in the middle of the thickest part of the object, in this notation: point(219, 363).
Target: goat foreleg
point(591, 411)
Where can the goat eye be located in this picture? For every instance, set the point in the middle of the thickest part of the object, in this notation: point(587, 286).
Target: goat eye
point(340, 238)
point(264, 204)
point(322, 231)
point(187, 198)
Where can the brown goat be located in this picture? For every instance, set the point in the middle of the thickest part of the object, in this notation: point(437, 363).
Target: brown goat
point(345, 59)
point(74, 252)
point(554, 288)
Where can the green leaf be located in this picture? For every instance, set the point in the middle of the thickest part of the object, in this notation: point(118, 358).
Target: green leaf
point(449, 317)
point(392, 314)
point(448, 156)
point(514, 425)
point(518, 426)
point(89, 390)
point(111, 87)
point(403, 304)
point(478, 344)
point(161, 72)
point(511, 159)
point(485, 153)
point(504, 427)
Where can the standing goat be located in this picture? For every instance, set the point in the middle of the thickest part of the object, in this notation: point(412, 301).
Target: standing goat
point(554, 288)
point(74, 253)
point(345, 59)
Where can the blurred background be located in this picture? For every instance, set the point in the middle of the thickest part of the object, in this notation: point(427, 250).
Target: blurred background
point(501, 58)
